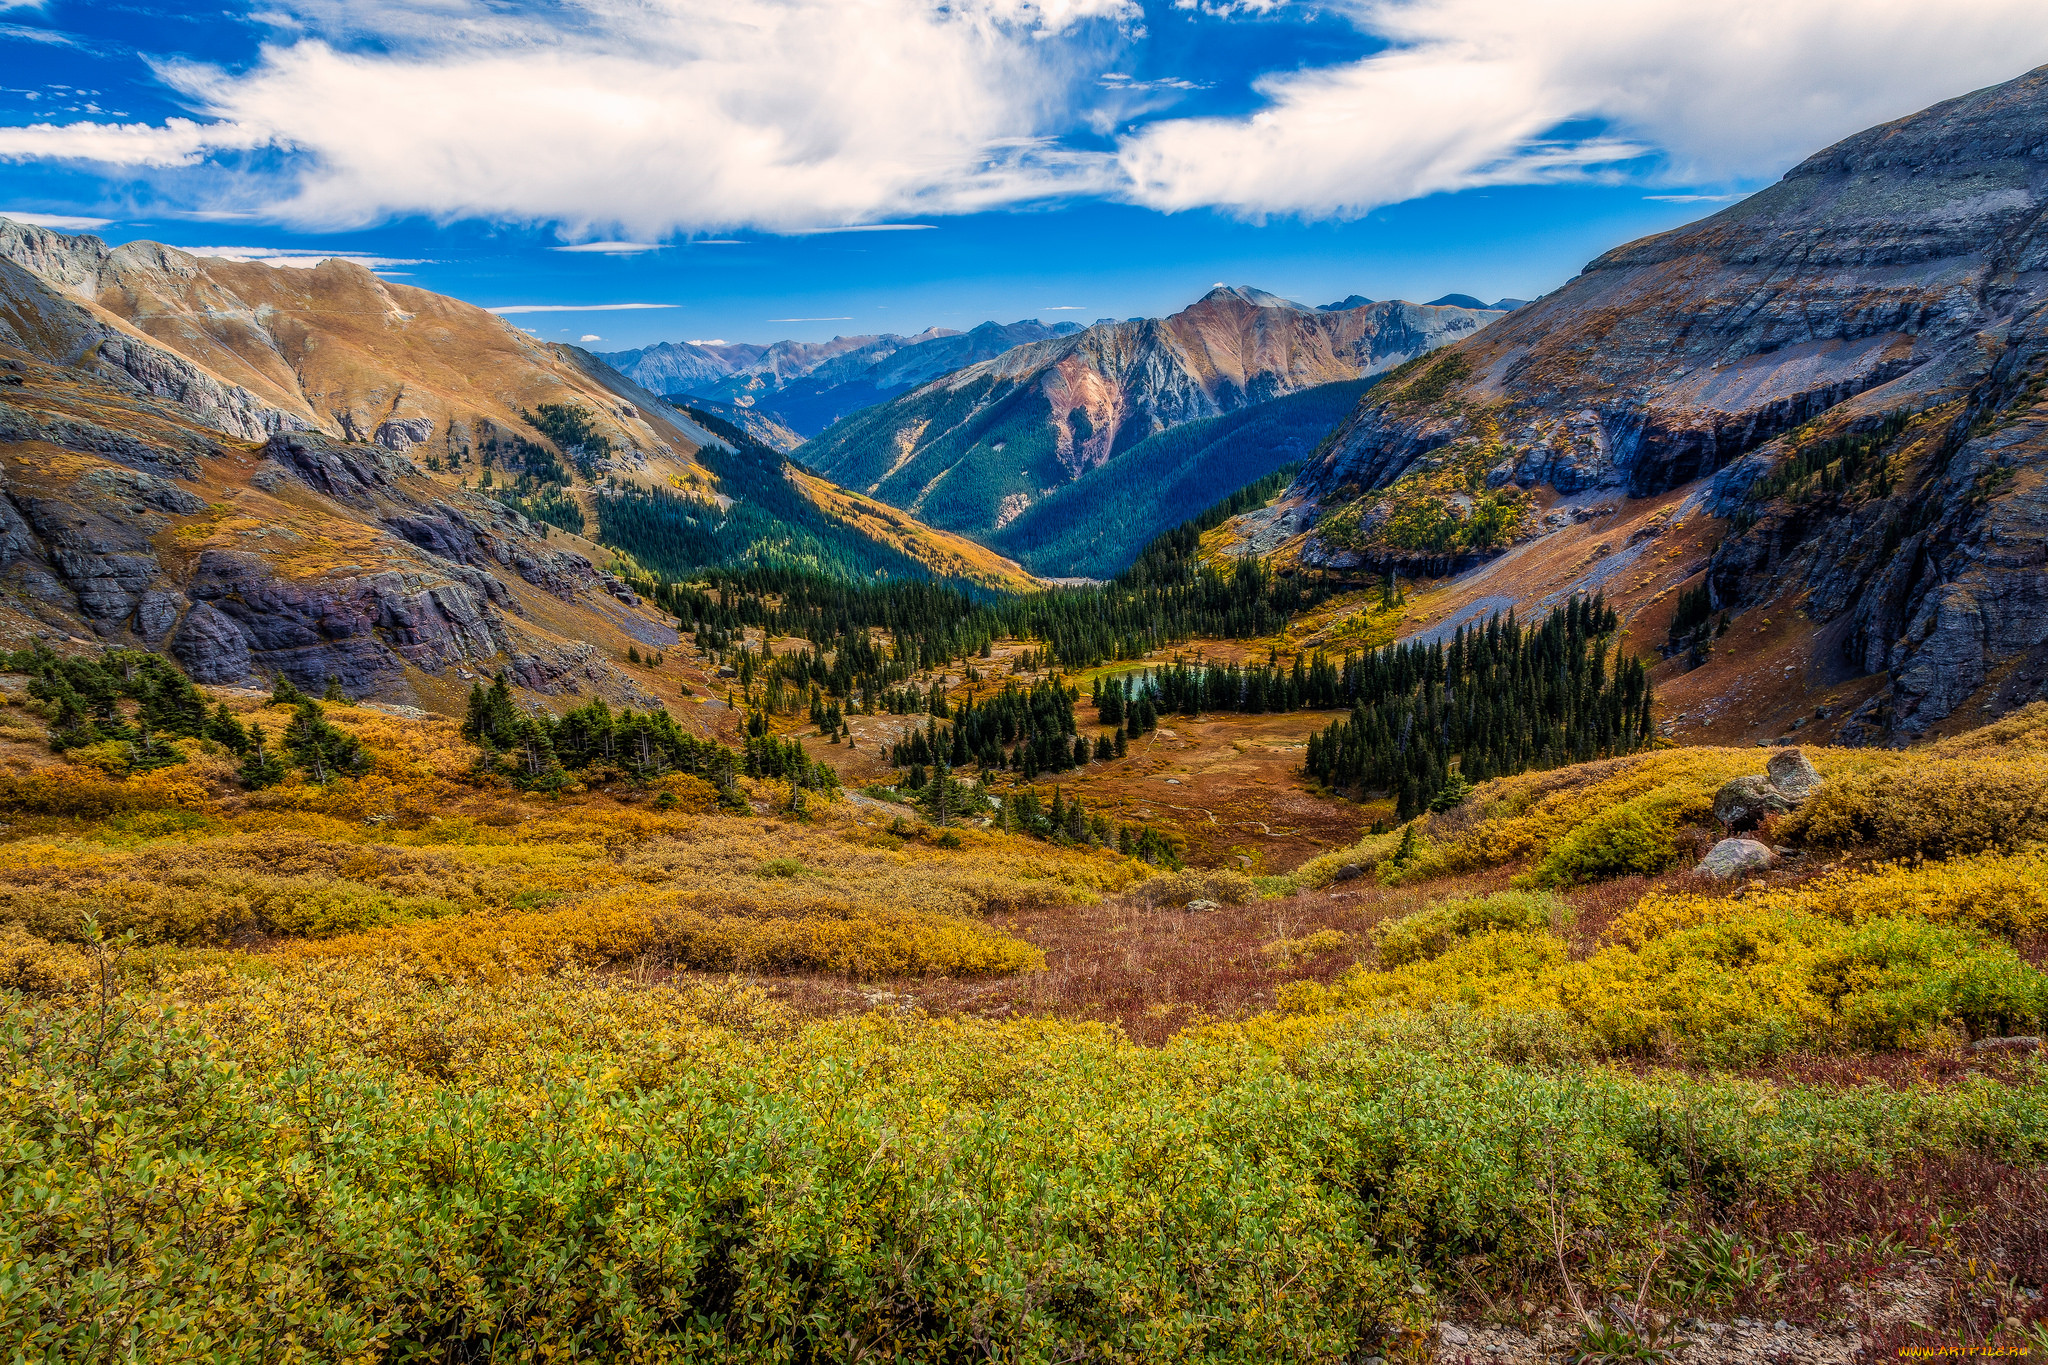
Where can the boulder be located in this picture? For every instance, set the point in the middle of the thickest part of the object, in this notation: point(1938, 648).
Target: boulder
point(2018, 1043)
point(1735, 857)
point(1793, 775)
point(1743, 802)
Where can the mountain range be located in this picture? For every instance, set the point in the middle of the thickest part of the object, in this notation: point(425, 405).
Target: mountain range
point(1802, 442)
point(806, 386)
point(977, 449)
point(1799, 445)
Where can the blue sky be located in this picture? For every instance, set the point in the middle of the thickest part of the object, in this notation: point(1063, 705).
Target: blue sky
point(753, 167)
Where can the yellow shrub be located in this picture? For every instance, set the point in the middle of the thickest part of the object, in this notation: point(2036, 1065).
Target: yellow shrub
point(1288, 951)
point(1988, 893)
point(37, 967)
point(1427, 933)
point(1939, 805)
point(863, 944)
point(1750, 982)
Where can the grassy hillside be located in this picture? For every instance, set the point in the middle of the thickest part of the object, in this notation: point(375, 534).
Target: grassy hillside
point(1095, 526)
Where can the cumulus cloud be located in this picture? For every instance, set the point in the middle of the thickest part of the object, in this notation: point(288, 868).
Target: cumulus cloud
point(175, 142)
point(633, 121)
point(651, 116)
point(1466, 92)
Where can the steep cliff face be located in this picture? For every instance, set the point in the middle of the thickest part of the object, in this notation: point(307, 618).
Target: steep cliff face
point(1841, 373)
point(124, 520)
point(974, 450)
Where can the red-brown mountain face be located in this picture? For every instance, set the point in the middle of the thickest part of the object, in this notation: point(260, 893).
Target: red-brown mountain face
point(975, 450)
point(1831, 393)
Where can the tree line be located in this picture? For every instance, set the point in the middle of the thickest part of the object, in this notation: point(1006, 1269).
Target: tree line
point(1430, 719)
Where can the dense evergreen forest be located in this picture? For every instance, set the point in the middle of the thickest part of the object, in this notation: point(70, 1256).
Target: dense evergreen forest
point(540, 751)
point(1168, 596)
point(1428, 720)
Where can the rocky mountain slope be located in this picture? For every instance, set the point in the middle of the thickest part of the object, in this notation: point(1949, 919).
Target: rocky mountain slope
point(1802, 440)
point(973, 451)
point(335, 349)
point(807, 386)
point(270, 472)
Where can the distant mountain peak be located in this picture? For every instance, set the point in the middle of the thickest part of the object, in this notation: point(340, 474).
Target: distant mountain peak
point(1455, 301)
point(1346, 304)
point(1258, 298)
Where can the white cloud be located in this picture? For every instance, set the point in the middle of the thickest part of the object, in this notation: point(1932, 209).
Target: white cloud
point(299, 258)
point(590, 336)
point(611, 248)
point(63, 222)
point(177, 142)
point(642, 117)
point(633, 121)
point(511, 308)
point(1467, 90)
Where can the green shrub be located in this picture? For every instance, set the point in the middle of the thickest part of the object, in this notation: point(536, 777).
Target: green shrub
point(1426, 934)
point(1624, 841)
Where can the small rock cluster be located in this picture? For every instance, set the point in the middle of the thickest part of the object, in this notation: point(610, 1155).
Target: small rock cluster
point(1788, 782)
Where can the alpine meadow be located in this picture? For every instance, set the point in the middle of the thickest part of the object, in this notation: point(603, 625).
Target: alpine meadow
point(1363, 833)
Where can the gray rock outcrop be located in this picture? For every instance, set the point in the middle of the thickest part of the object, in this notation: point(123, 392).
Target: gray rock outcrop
point(1736, 858)
point(1793, 775)
point(1788, 782)
point(1743, 802)
point(211, 648)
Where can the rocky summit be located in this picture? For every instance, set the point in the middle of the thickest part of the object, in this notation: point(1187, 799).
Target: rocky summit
point(1814, 416)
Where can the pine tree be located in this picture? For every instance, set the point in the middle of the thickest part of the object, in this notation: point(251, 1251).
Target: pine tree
point(261, 765)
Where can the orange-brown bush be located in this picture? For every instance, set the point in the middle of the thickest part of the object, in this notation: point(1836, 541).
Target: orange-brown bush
point(705, 936)
point(417, 861)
